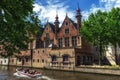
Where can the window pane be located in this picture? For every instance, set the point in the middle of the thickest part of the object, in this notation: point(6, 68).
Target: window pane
point(67, 42)
point(74, 41)
point(66, 31)
point(47, 35)
point(60, 42)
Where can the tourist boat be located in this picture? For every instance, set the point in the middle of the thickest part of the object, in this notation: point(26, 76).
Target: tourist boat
point(27, 73)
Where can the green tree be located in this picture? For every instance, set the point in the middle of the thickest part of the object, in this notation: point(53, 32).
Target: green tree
point(102, 29)
point(95, 31)
point(15, 25)
point(114, 29)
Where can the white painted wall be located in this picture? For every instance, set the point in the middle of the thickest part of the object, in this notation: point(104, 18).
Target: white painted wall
point(3, 61)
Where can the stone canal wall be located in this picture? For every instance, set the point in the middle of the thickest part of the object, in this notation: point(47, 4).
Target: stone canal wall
point(94, 70)
point(107, 71)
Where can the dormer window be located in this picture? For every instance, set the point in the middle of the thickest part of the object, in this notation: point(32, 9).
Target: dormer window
point(67, 31)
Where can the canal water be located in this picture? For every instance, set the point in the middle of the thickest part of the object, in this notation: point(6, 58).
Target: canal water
point(55, 75)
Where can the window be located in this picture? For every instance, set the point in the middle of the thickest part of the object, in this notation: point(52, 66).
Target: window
point(67, 31)
point(12, 60)
point(65, 59)
point(78, 62)
point(33, 60)
point(67, 42)
point(38, 44)
point(41, 44)
point(20, 60)
point(38, 52)
point(84, 60)
point(5, 61)
point(74, 41)
point(47, 42)
point(42, 60)
point(66, 23)
point(38, 60)
point(0, 48)
point(47, 35)
point(54, 58)
point(43, 51)
point(91, 58)
point(51, 41)
point(26, 59)
point(60, 42)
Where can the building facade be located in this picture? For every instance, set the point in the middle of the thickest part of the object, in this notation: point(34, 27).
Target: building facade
point(3, 60)
point(57, 47)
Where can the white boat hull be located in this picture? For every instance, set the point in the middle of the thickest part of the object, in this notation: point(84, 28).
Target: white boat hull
point(23, 74)
point(20, 75)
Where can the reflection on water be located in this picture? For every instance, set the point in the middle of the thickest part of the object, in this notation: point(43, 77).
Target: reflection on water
point(54, 75)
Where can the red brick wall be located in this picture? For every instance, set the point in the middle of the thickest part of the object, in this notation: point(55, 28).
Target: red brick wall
point(72, 30)
point(49, 30)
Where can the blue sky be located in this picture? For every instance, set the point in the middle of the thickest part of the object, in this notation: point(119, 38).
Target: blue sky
point(47, 9)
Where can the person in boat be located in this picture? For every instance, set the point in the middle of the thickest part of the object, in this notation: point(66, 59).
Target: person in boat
point(26, 71)
point(19, 69)
point(32, 72)
point(35, 72)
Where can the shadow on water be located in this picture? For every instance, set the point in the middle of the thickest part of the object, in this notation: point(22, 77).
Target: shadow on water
point(55, 75)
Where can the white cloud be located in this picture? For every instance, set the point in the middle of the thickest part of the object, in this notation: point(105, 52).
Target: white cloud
point(104, 5)
point(36, 7)
point(117, 4)
point(49, 11)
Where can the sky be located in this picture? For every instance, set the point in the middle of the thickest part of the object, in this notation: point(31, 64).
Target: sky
point(47, 9)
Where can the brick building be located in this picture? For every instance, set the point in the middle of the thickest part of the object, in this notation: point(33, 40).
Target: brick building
point(58, 46)
point(3, 60)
